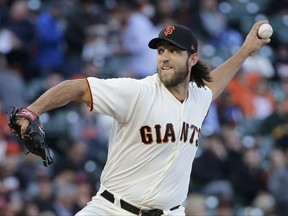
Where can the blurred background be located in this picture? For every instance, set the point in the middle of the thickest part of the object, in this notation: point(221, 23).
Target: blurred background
point(241, 164)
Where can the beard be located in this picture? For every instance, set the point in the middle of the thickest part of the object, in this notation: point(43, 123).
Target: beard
point(177, 77)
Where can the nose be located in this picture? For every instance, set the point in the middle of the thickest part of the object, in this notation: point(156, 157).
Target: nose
point(165, 57)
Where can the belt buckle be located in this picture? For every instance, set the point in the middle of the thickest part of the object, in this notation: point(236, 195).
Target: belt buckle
point(144, 213)
point(154, 212)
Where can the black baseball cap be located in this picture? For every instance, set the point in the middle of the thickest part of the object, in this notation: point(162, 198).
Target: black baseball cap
point(179, 35)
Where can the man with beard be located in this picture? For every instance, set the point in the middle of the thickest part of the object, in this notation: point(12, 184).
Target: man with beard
point(157, 122)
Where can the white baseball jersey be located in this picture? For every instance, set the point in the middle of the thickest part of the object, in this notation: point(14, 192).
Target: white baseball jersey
point(153, 141)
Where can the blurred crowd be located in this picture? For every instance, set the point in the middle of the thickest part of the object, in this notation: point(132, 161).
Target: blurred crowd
point(241, 166)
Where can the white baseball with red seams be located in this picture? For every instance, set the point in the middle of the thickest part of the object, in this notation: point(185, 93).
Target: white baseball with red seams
point(265, 31)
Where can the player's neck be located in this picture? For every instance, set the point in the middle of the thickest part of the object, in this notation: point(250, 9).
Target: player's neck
point(180, 94)
point(180, 91)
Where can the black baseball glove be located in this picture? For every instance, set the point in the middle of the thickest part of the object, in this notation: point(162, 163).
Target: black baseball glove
point(34, 136)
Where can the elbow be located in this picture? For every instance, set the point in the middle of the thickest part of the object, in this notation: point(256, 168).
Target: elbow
point(77, 89)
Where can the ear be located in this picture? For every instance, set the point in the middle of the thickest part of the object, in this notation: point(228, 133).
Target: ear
point(193, 59)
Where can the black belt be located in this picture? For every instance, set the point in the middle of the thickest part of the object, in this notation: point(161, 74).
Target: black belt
point(133, 209)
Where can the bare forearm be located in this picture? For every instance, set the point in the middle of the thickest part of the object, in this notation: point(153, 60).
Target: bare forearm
point(60, 95)
point(223, 74)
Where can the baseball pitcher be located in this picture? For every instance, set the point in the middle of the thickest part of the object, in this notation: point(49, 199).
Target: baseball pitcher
point(157, 123)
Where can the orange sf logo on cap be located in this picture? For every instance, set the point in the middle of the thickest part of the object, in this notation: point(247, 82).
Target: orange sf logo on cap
point(169, 30)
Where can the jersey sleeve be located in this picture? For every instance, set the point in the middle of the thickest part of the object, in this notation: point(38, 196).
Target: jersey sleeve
point(114, 97)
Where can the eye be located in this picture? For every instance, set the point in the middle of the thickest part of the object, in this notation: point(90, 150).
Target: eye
point(160, 50)
point(174, 50)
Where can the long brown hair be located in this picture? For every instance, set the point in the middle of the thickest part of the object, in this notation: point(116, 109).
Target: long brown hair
point(200, 73)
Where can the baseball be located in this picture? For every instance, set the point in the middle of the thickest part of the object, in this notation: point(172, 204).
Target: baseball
point(265, 31)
